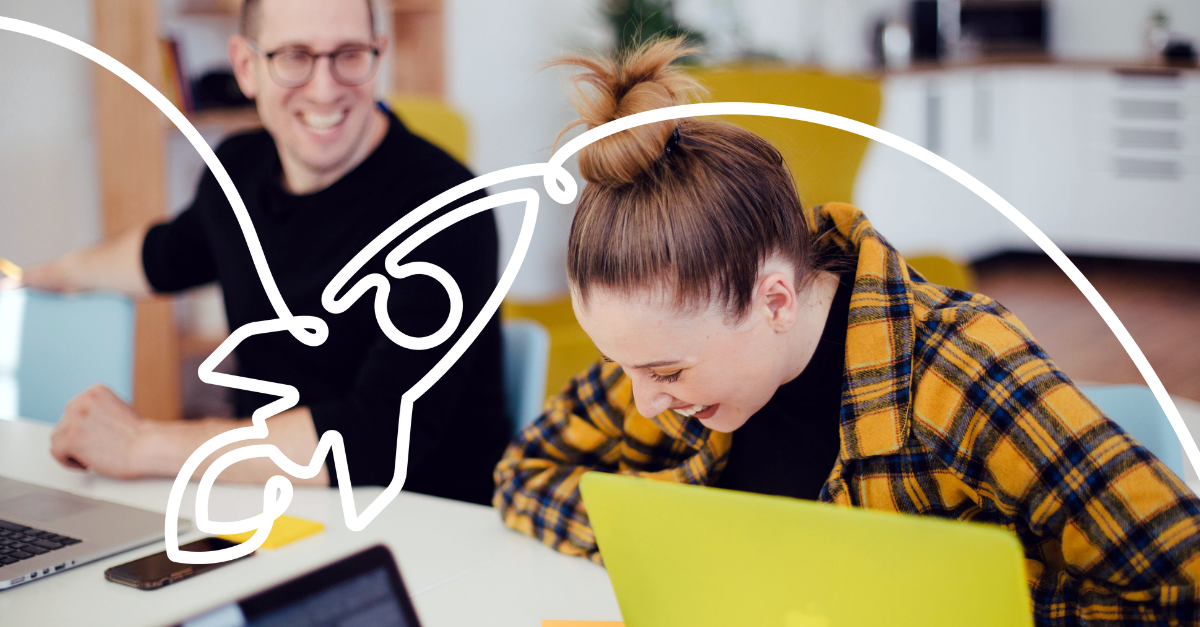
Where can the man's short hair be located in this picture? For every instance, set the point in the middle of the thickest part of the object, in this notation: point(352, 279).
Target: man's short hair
point(251, 20)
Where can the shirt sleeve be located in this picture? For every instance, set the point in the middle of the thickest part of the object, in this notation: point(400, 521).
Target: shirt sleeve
point(1112, 536)
point(367, 417)
point(177, 255)
point(537, 480)
point(593, 426)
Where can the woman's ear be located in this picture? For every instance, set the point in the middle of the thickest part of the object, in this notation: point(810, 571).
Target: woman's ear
point(777, 295)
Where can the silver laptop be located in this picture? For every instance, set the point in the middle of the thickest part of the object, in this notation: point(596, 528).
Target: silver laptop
point(45, 531)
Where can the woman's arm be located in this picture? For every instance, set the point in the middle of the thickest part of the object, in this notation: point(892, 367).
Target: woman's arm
point(1112, 535)
point(537, 481)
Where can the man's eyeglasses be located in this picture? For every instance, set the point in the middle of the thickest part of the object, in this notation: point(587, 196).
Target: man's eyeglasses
point(293, 67)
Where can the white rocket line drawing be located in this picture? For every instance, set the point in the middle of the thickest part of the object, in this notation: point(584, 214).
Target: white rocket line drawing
point(561, 186)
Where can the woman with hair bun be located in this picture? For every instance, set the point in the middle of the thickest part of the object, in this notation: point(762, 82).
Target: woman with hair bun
point(757, 344)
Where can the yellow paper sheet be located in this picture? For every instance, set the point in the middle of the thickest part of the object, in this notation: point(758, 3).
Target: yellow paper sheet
point(286, 530)
point(10, 269)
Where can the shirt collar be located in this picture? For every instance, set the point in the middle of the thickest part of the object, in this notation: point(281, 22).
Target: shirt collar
point(876, 392)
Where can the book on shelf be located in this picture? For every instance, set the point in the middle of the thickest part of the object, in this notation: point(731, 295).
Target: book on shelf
point(175, 84)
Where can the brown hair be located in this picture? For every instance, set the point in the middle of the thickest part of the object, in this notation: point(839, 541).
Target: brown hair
point(693, 205)
point(251, 18)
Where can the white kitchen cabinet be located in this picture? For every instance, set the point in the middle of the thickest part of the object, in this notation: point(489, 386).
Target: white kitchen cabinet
point(1105, 162)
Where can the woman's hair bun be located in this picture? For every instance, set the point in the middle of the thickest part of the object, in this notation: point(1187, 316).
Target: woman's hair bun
point(639, 80)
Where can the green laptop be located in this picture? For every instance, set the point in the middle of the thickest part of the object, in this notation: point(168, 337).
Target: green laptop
point(681, 555)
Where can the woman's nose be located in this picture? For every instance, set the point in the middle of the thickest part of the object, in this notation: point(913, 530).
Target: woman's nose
point(650, 398)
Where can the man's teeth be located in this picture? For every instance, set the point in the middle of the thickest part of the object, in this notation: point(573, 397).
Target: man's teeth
point(690, 411)
point(323, 122)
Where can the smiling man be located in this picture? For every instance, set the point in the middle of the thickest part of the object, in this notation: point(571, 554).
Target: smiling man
point(330, 170)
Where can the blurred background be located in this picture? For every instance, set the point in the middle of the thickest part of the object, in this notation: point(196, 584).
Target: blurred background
point(1084, 114)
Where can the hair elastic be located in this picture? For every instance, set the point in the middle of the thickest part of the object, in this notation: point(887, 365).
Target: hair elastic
point(672, 141)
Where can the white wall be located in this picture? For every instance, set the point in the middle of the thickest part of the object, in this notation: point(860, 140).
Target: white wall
point(48, 196)
point(495, 53)
point(1115, 29)
point(831, 33)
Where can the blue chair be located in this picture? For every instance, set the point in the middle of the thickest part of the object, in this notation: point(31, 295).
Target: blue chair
point(526, 357)
point(52, 347)
point(1137, 411)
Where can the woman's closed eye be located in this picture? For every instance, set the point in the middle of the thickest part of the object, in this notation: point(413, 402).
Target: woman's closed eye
point(666, 378)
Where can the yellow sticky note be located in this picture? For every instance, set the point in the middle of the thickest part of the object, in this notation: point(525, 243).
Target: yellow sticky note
point(10, 269)
point(582, 623)
point(286, 529)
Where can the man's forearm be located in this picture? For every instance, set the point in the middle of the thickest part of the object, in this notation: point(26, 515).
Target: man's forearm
point(166, 447)
point(113, 265)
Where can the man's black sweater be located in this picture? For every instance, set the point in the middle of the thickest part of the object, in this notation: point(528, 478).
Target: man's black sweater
point(353, 382)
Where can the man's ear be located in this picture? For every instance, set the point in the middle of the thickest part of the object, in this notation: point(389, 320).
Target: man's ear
point(244, 69)
point(777, 300)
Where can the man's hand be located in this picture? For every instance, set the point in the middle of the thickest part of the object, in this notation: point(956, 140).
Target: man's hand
point(100, 432)
point(51, 277)
point(112, 265)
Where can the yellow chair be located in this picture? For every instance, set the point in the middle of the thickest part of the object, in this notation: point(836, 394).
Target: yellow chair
point(435, 121)
point(824, 161)
point(943, 270)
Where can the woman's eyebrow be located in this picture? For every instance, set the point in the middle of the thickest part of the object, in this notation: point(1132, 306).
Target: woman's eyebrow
point(659, 364)
point(653, 364)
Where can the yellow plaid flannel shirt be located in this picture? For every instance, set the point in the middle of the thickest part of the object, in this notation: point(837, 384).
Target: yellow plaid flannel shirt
point(949, 409)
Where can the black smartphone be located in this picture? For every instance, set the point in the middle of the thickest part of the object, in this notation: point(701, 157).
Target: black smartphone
point(155, 571)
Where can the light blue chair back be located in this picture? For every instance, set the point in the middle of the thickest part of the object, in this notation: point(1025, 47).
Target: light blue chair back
point(52, 347)
point(526, 357)
point(1135, 409)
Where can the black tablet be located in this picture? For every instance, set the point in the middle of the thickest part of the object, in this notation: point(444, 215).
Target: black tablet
point(362, 589)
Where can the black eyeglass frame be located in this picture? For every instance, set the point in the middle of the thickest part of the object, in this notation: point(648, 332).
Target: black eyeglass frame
point(312, 68)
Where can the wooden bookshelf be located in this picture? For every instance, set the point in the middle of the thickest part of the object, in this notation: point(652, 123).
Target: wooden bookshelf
point(131, 141)
point(419, 47)
point(228, 120)
point(130, 151)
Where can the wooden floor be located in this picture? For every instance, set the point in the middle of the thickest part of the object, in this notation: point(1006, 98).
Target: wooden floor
point(1158, 302)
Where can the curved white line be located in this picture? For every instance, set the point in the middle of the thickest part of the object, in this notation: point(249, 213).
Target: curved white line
point(561, 187)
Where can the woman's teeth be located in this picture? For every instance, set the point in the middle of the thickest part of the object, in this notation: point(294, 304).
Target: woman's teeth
point(323, 122)
point(690, 411)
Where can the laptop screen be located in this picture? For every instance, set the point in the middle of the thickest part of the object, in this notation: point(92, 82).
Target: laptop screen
point(364, 600)
point(362, 589)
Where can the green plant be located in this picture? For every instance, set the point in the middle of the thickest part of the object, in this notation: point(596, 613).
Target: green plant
point(637, 21)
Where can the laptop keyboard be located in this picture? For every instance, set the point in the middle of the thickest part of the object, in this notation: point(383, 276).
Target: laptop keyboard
point(18, 542)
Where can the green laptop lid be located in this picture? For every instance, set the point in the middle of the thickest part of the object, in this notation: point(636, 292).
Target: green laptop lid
point(681, 555)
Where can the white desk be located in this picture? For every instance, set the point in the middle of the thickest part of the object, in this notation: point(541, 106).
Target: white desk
point(461, 565)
